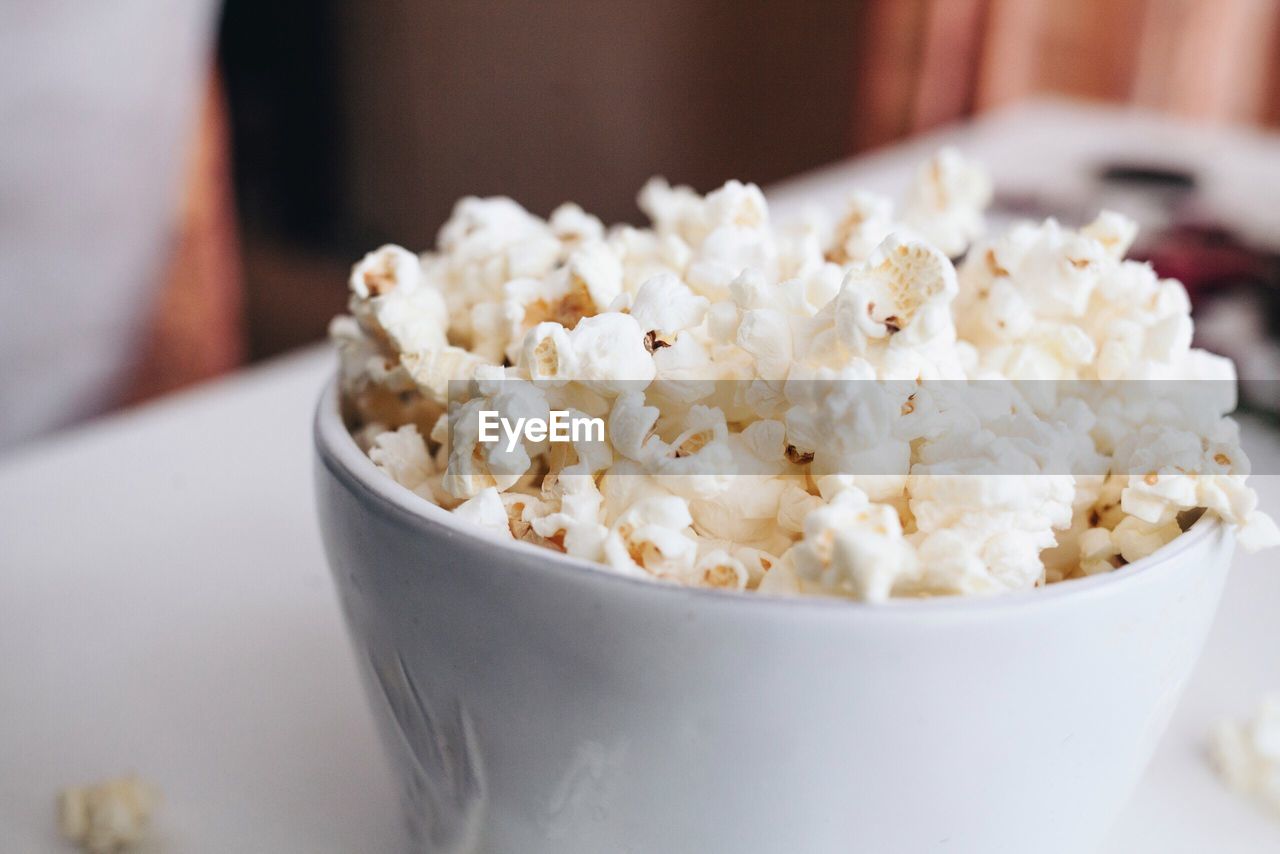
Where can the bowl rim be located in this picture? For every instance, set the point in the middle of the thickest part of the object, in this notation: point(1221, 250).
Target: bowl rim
point(338, 451)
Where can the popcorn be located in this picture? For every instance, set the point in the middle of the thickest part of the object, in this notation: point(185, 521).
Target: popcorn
point(596, 271)
point(665, 306)
point(403, 455)
point(522, 510)
point(721, 569)
point(575, 525)
point(1246, 754)
point(548, 355)
point(486, 243)
point(1098, 551)
point(573, 226)
point(866, 222)
point(1114, 232)
point(748, 512)
point(903, 279)
point(1177, 470)
point(646, 254)
point(106, 817)
point(944, 207)
point(653, 537)
point(946, 202)
point(1136, 538)
point(697, 463)
point(384, 272)
point(832, 407)
point(433, 370)
point(984, 533)
point(473, 466)
point(486, 510)
point(673, 210)
point(852, 547)
point(610, 353)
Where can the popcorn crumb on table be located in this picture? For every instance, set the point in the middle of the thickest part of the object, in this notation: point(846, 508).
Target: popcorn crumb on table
point(1247, 753)
point(109, 816)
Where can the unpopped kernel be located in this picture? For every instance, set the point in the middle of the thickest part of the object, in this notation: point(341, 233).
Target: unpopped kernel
point(882, 402)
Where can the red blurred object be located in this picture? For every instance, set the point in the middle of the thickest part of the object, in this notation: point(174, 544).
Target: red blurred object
point(1209, 258)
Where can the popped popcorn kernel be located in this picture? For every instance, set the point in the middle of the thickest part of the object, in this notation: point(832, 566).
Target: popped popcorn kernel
point(1246, 754)
point(107, 817)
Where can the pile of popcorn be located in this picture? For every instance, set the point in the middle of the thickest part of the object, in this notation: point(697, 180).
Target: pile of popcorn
point(729, 358)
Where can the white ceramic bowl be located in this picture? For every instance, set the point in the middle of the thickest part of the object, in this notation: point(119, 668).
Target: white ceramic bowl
point(533, 703)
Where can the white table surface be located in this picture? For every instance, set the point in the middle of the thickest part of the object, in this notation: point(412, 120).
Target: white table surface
point(165, 606)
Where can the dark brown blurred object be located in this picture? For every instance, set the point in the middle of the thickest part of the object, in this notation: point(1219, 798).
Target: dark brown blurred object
point(291, 293)
point(197, 330)
point(582, 100)
point(359, 123)
point(1206, 258)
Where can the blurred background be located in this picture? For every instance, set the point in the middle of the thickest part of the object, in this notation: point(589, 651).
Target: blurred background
point(184, 183)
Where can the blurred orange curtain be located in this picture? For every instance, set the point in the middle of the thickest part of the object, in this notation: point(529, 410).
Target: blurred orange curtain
point(197, 330)
point(926, 62)
point(919, 67)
